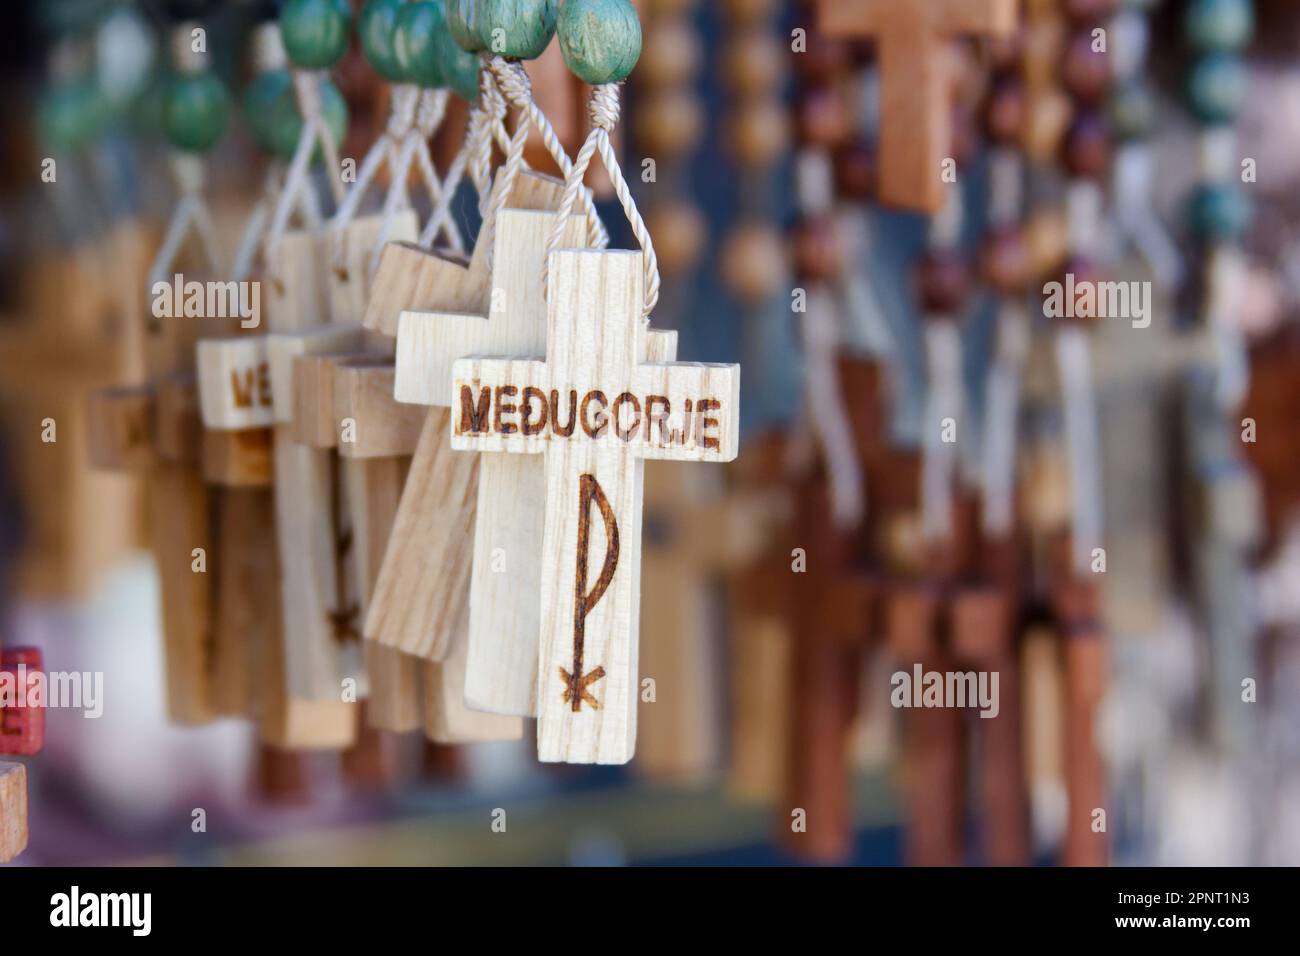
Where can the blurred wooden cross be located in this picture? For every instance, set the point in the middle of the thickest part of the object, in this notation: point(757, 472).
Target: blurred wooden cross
point(915, 84)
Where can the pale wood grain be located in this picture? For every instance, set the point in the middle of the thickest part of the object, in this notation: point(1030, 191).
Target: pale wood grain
point(363, 392)
point(13, 810)
point(179, 522)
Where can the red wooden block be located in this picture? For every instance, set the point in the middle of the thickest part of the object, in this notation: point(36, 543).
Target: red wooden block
point(22, 727)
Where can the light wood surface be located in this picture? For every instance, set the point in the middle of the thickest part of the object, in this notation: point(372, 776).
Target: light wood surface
point(13, 810)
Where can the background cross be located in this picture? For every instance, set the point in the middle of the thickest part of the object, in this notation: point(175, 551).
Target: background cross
point(915, 83)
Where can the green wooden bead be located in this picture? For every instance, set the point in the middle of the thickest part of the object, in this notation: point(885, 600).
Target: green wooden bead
point(1225, 25)
point(196, 112)
point(260, 100)
point(315, 32)
point(285, 122)
point(1220, 212)
point(600, 39)
point(1217, 88)
point(375, 28)
point(463, 22)
point(415, 42)
point(460, 68)
point(69, 115)
point(517, 29)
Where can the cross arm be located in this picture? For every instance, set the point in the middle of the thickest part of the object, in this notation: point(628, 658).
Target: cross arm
point(429, 343)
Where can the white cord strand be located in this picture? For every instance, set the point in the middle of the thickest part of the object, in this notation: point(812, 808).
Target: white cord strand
point(604, 107)
point(191, 213)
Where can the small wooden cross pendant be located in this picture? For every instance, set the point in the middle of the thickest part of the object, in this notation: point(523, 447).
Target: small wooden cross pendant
point(597, 409)
point(915, 88)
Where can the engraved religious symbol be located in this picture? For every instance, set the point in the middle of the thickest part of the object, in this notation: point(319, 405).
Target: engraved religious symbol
point(596, 409)
point(915, 85)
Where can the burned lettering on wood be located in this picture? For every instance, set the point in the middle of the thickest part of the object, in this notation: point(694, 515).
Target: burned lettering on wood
point(491, 410)
point(252, 385)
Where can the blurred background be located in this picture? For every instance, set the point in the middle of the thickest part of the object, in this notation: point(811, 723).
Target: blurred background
point(780, 597)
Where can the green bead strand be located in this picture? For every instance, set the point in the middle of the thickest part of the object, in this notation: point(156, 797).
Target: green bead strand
point(375, 28)
point(600, 39)
point(1217, 88)
point(460, 69)
point(69, 115)
point(284, 122)
point(463, 22)
point(1220, 25)
point(414, 42)
point(315, 32)
point(260, 102)
point(196, 112)
point(517, 29)
point(1220, 212)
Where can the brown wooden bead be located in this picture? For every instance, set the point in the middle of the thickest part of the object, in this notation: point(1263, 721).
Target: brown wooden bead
point(1040, 61)
point(670, 124)
point(754, 263)
point(1085, 72)
point(824, 59)
point(1047, 120)
point(750, 12)
point(1090, 11)
point(1087, 148)
point(760, 133)
point(671, 55)
point(1006, 261)
point(1006, 112)
point(856, 170)
point(1004, 53)
point(818, 252)
point(680, 232)
point(1047, 234)
point(754, 64)
point(943, 281)
point(965, 134)
point(823, 117)
point(666, 9)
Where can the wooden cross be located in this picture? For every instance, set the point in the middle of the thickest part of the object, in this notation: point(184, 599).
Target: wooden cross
point(421, 597)
point(346, 403)
point(915, 85)
point(151, 429)
point(13, 810)
point(596, 408)
point(247, 383)
point(420, 602)
point(505, 577)
point(80, 521)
